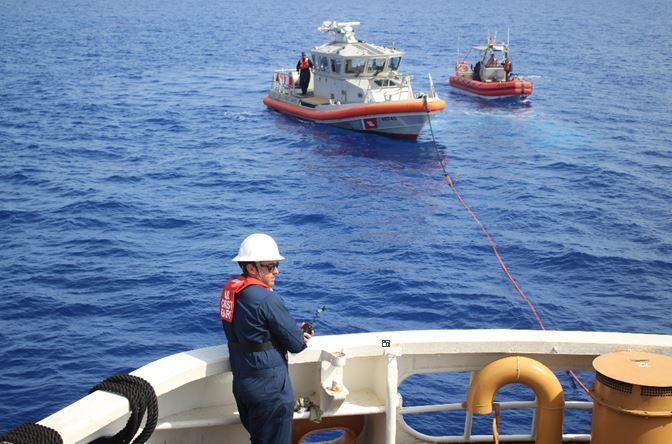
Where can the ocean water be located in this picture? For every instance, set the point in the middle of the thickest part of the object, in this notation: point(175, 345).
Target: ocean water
point(136, 154)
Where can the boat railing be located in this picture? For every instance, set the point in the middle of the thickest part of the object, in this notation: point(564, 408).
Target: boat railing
point(454, 353)
point(365, 375)
point(389, 89)
point(285, 81)
point(467, 435)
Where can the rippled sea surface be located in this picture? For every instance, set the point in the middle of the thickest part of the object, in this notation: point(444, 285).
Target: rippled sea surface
point(136, 154)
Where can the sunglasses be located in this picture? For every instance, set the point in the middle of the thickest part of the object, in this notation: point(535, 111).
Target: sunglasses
point(270, 267)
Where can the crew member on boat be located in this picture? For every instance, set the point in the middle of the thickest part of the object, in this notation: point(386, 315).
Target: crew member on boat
point(260, 332)
point(303, 68)
point(507, 68)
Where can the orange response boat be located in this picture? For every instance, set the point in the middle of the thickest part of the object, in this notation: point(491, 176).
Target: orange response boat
point(492, 76)
point(357, 86)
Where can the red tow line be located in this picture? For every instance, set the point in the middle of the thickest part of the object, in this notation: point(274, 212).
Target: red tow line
point(492, 243)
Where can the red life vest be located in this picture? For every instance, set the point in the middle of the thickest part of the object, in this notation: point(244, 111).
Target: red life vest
point(304, 63)
point(227, 301)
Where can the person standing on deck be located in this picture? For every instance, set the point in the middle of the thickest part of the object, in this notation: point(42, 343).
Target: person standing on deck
point(507, 68)
point(303, 68)
point(260, 332)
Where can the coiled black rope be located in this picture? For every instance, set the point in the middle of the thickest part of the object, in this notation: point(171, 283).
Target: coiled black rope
point(141, 399)
point(31, 433)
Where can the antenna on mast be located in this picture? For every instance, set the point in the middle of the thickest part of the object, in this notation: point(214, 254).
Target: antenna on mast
point(458, 47)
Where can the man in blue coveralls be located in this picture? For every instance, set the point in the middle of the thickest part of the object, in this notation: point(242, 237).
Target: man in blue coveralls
point(260, 332)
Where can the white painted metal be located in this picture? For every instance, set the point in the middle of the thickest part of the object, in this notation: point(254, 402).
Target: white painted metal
point(196, 404)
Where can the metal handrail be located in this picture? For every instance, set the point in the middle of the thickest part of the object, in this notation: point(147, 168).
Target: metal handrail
point(403, 86)
point(467, 431)
point(279, 80)
point(468, 421)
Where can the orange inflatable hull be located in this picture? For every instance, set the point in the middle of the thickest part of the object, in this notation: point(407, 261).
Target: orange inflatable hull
point(510, 88)
point(358, 111)
point(397, 119)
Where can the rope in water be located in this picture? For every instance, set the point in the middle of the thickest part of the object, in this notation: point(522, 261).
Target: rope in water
point(491, 241)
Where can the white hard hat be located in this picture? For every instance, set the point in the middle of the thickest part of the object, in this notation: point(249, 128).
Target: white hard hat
point(258, 247)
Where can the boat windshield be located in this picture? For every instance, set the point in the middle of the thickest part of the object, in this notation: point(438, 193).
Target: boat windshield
point(354, 66)
point(336, 65)
point(322, 63)
point(375, 65)
point(394, 63)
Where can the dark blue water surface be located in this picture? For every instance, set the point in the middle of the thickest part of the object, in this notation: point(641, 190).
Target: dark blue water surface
point(136, 154)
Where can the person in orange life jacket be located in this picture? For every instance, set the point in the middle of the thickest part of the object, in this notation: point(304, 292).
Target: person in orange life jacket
point(260, 332)
point(303, 68)
point(507, 68)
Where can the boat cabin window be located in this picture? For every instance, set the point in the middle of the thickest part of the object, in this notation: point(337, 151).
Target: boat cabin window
point(336, 65)
point(386, 82)
point(394, 63)
point(322, 63)
point(354, 66)
point(375, 65)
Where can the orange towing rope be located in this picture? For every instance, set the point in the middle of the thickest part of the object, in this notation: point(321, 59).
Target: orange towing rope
point(492, 243)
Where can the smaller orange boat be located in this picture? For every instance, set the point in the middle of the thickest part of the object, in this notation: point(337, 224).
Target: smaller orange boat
point(492, 76)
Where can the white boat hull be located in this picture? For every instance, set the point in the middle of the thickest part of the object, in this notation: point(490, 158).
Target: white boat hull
point(196, 403)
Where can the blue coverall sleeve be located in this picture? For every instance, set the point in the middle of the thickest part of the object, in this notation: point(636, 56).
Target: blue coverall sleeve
point(282, 326)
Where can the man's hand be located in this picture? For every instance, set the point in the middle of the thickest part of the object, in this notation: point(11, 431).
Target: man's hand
point(308, 332)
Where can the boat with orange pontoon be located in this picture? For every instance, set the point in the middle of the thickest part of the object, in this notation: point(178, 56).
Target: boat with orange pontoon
point(492, 76)
point(355, 85)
